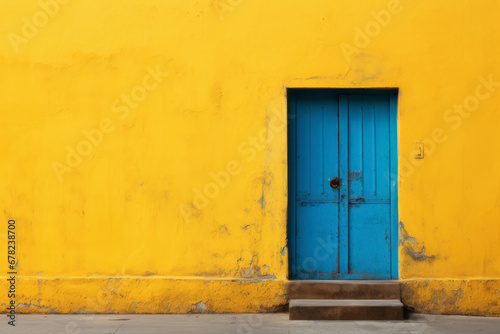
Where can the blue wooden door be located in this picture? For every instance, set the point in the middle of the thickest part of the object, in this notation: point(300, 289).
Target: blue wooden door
point(342, 184)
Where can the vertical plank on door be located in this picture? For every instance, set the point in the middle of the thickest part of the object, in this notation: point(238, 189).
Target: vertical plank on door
point(344, 179)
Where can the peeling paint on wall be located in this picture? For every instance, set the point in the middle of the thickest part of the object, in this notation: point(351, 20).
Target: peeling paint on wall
point(150, 295)
point(448, 296)
point(413, 248)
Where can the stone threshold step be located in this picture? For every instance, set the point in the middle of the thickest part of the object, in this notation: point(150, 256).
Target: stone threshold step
point(334, 309)
point(348, 289)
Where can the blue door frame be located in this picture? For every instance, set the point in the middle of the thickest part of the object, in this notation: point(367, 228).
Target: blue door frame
point(337, 228)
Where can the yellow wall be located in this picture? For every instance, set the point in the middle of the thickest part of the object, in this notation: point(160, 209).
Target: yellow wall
point(122, 229)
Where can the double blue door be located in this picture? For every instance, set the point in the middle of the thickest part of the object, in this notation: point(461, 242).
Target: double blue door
point(342, 184)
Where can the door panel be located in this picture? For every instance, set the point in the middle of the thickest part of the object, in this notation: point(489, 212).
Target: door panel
point(344, 232)
point(316, 202)
point(368, 148)
point(317, 239)
point(317, 148)
point(369, 190)
point(369, 240)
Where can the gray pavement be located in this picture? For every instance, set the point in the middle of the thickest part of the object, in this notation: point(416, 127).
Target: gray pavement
point(239, 324)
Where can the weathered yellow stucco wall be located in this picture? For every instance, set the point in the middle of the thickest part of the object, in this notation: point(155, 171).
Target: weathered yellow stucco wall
point(117, 115)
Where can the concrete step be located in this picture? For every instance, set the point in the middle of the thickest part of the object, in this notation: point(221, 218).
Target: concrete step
point(349, 309)
point(348, 289)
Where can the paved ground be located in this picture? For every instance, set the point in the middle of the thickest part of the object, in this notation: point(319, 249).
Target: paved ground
point(240, 324)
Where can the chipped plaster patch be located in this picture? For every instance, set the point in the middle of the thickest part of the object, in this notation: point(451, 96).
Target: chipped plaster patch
point(199, 307)
point(414, 249)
